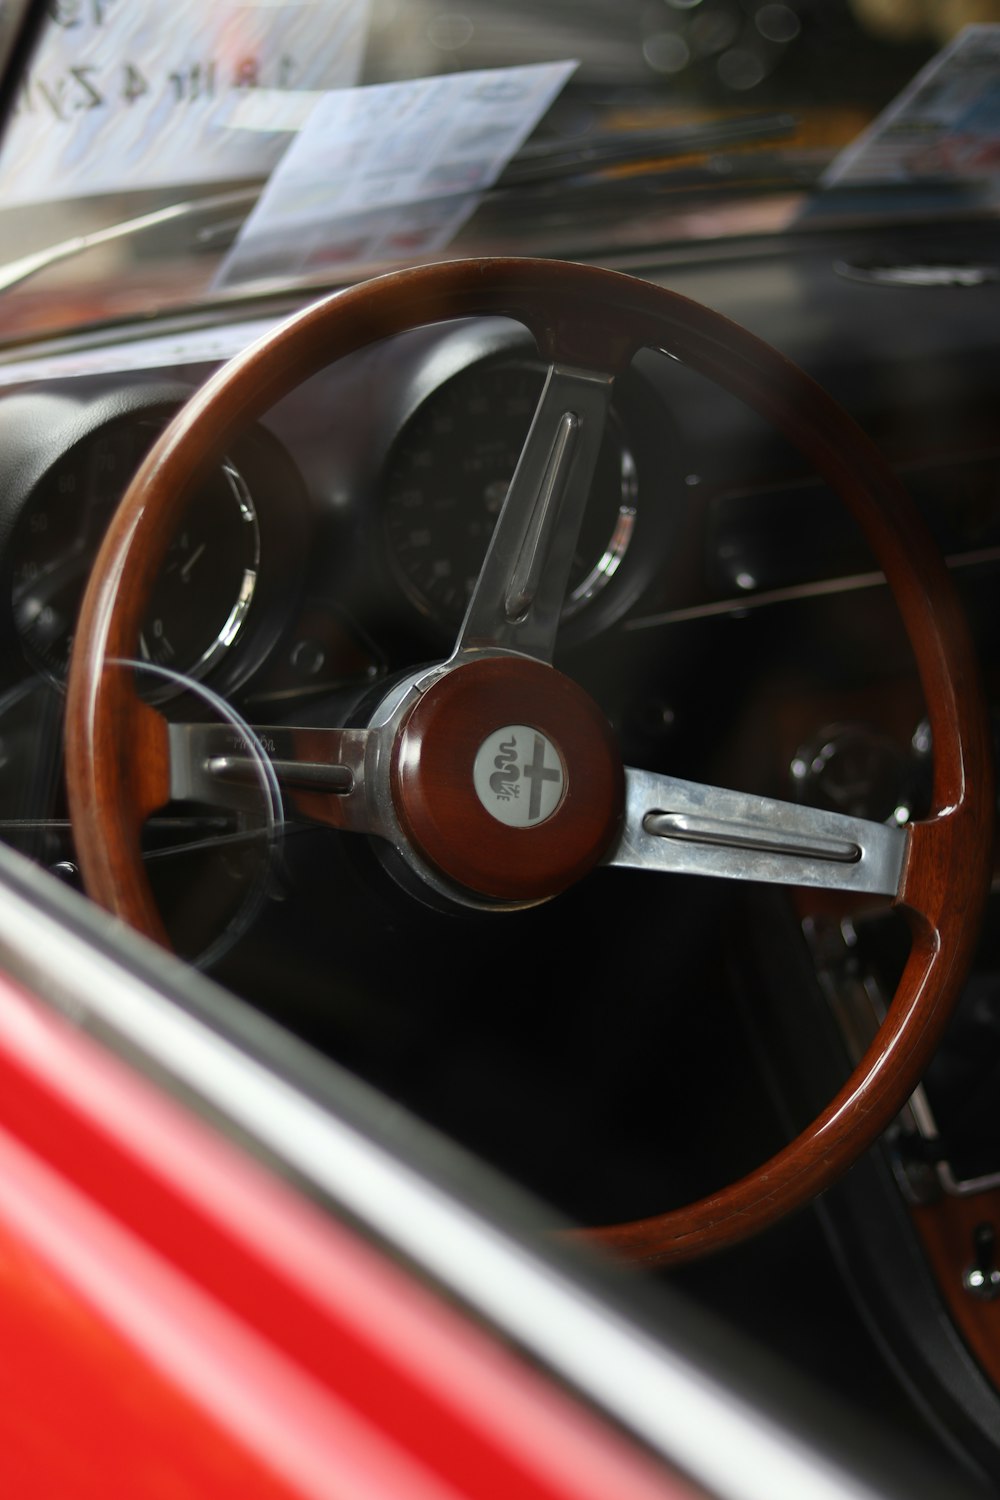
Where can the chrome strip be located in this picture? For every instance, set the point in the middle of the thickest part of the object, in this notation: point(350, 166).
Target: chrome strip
point(817, 590)
point(26, 266)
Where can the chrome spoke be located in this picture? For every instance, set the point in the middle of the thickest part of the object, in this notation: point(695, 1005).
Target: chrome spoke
point(693, 829)
point(219, 765)
point(518, 596)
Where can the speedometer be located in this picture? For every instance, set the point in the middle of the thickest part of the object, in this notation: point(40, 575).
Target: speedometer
point(447, 477)
point(205, 584)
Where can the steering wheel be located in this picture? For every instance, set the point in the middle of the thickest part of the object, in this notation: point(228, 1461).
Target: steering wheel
point(495, 777)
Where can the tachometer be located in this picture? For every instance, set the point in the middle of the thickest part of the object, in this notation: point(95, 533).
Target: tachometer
point(447, 477)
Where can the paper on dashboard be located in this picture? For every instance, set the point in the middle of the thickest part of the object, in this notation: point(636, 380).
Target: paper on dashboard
point(391, 170)
point(124, 95)
point(944, 125)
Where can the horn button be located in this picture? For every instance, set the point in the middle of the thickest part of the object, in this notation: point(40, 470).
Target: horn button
point(506, 778)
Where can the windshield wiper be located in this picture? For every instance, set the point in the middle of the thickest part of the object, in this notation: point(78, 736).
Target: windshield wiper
point(19, 270)
point(540, 162)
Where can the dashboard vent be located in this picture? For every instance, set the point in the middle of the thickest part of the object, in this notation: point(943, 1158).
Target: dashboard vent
point(923, 273)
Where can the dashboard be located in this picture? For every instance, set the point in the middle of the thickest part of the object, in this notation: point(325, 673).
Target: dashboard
point(338, 541)
point(723, 607)
point(724, 612)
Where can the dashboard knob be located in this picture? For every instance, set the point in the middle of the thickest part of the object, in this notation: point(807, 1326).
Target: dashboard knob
point(854, 769)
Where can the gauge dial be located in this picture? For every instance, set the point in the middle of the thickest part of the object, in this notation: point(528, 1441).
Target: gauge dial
point(204, 587)
point(448, 476)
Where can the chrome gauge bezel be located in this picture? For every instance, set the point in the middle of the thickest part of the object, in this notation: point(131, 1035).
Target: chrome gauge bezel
point(82, 429)
point(593, 585)
point(620, 540)
point(235, 621)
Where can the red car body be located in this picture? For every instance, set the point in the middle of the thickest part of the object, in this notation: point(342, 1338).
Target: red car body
point(175, 1321)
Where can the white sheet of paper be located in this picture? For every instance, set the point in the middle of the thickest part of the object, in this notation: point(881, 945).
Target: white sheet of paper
point(391, 170)
point(946, 123)
point(128, 94)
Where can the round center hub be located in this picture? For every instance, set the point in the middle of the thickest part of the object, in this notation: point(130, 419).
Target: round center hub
point(506, 778)
point(519, 776)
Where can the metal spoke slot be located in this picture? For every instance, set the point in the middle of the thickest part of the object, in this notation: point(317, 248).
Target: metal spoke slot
point(518, 597)
point(693, 829)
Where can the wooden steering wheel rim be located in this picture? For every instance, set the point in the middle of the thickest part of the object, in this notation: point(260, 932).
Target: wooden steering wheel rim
point(116, 754)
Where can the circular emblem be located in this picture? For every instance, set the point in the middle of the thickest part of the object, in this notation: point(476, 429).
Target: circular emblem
point(519, 776)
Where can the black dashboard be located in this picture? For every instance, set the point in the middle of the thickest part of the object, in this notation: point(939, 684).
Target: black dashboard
point(723, 607)
point(338, 541)
point(339, 538)
point(725, 613)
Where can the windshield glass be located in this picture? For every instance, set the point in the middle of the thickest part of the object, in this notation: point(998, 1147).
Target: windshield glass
point(577, 128)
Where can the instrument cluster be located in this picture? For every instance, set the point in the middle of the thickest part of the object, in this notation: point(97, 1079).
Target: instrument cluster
point(290, 559)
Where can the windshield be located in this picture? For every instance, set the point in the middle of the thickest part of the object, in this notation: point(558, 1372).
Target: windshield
point(160, 158)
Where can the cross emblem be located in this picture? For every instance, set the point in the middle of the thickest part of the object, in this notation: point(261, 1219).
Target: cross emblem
point(538, 772)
